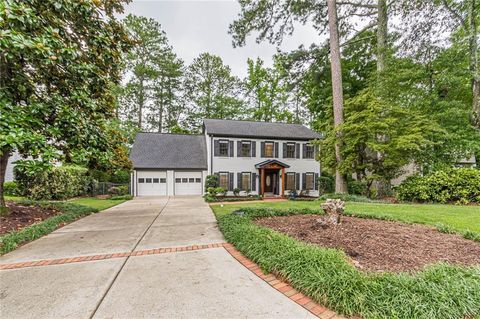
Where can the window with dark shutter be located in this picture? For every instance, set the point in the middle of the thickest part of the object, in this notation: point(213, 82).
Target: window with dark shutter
point(223, 148)
point(308, 151)
point(254, 182)
point(223, 180)
point(246, 181)
point(290, 150)
point(268, 149)
point(309, 181)
point(290, 183)
point(245, 149)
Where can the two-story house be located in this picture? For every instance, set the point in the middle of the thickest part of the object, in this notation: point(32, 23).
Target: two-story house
point(269, 159)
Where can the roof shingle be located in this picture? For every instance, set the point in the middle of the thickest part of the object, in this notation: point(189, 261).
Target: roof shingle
point(234, 128)
point(169, 151)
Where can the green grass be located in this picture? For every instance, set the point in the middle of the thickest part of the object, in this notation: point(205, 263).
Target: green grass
point(458, 218)
point(439, 291)
point(97, 203)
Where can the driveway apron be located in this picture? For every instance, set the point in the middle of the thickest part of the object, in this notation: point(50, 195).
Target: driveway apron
point(135, 260)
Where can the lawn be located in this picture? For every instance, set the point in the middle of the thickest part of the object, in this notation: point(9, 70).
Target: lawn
point(97, 203)
point(326, 275)
point(459, 218)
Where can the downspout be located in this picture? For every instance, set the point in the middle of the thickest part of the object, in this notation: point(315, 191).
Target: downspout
point(211, 155)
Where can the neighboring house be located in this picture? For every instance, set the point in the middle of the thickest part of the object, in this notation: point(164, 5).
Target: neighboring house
point(11, 163)
point(263, 158)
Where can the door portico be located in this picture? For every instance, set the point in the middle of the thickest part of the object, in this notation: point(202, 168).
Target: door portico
point(272, 177)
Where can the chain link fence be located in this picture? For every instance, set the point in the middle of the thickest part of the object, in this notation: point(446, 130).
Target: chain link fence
point(107, 188)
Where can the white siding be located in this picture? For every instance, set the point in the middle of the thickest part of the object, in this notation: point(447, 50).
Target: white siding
point(247, 164)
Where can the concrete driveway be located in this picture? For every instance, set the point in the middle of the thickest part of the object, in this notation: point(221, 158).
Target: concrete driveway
point(146, 258)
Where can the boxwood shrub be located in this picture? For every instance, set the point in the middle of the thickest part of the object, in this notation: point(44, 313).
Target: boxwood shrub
point(460, 186)
point(59, 182)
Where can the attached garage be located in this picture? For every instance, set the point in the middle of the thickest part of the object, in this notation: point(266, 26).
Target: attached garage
point(152, 183)
point(168, 164)
point(188, 183)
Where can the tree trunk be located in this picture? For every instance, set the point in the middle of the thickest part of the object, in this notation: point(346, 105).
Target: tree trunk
point(473, 48)
point(337, 91)
point(382, 34)
point(3, 167)
point(141, 101)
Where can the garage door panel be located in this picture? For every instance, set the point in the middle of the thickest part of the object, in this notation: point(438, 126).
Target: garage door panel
point(152, 183)
point(188, 183)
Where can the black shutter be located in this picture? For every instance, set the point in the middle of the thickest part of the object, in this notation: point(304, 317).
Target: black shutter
point(297, 181)
point(316, 181)
point(304, 155)
point(239, 147)
point(297, 150)
point(286, 181)
point(230, 152)
point(254, 149)
point(262, 149)
point(304, 181)
point(216, 147)
point(284, 150)
point(276, 149)
point(254, 182)
point(230, 181)
point(239, 180)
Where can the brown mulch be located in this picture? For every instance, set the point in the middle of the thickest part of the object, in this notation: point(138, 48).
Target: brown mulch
point(377, 245)
point(22, 216)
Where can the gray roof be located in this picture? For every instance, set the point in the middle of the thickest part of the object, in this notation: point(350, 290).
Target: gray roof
point(169, 151)
point(251, 129)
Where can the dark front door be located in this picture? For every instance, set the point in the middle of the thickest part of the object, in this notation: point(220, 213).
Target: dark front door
point(271, 182)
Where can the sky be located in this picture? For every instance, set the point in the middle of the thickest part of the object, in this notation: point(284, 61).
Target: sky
point(197, 26)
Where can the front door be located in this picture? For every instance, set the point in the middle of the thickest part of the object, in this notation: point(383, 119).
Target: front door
point(271, 182)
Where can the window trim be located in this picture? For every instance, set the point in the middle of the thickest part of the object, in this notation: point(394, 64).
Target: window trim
point(288, 175)
point(141, 180)
point(265, 149)
point(293, 144)
point(219, 179)
point(245, 142)
point(220, 142)
point(313, 181)
point(306, 151)
point(249, 181)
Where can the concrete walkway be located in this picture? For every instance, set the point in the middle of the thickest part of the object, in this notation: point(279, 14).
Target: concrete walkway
point(204, 283)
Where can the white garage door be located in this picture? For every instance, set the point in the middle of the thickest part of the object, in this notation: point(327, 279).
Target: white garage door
point(152, 183)
point(188, 183)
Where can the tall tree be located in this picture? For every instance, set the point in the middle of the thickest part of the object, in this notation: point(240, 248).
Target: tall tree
point(166, 107)
point(266, 93)
point(337, 89)
point(59, 64)
point(140, 69)
point(211, 91)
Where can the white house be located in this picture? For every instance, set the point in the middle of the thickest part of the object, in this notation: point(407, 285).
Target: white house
point(269, 159)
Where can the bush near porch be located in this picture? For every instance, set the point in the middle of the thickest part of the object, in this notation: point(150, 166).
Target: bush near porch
point(439, 291)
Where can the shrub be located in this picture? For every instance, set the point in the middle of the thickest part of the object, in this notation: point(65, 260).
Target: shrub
point(236, 191)
point(60, 182)
point(118, 190)
point(211, 181)
point(326, 183)
point(357, 187)
point(221, 191)
point(212, 191)
point(460, 185)
point(10, 188)
point(121, 197)
point(120, 177)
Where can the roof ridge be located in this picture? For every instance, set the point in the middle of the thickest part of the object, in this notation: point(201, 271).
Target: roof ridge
point(263, 122)
point(161, 133)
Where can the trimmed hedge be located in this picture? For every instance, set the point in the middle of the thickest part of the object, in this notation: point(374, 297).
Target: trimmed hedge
point(71, 212)
point(460, 186)
point(438, 291)
point(59, 182)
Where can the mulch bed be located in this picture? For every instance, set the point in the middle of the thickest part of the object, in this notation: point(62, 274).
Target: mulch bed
point(22, 216)
point(377, 245)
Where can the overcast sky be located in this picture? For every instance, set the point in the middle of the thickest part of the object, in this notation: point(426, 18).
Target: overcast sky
point(195, 26)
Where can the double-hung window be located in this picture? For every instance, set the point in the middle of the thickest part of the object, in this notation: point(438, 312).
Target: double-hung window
point(246, 181)
point(309, 151)
point(223, 148)
point(269, 149)
point(223, 180)
point(246, 149)
point(290, 150)
point(290, 184)
point(309, 181)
